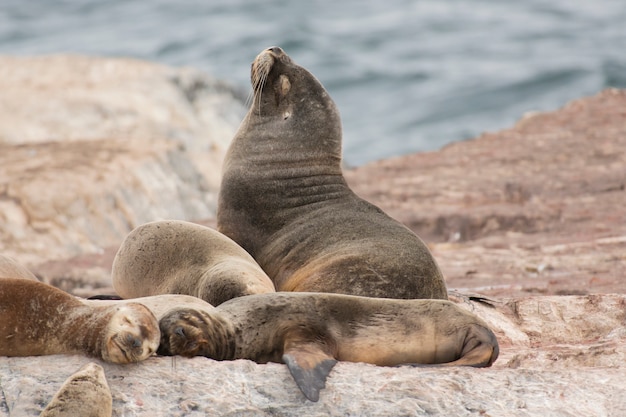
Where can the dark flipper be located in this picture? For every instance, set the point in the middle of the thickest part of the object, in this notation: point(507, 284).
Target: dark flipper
point(310, 380)
point(309, 359)
point(105, 297)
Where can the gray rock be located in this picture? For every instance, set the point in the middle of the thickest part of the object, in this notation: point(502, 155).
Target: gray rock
point(200, 387)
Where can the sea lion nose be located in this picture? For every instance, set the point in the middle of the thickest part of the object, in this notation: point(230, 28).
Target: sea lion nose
point(275, 49)
point(180, 331)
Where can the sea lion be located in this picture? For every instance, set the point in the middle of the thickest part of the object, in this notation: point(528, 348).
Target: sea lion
point(85, 394)
point(10, 268)
point(39, 319)
point(284, 199)
point(310, 332)
point(160, 305)
point(177, 257)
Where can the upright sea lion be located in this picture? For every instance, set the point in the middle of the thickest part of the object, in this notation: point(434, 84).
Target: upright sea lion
point(284, 199)
point(310, 332)
point(38, 319)
point(177, 257)
point(85, 394)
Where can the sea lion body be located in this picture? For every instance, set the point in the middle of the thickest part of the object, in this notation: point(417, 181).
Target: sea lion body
point(284, 199)
point(177, 257)
point(160, 305)
point(38, 319)
point(311, 331)
point(85, 393)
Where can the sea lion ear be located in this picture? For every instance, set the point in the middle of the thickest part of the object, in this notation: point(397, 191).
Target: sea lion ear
point(309, 363)
point(284, 85)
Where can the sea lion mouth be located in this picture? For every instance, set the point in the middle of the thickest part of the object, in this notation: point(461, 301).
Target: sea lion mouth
point(125, 356)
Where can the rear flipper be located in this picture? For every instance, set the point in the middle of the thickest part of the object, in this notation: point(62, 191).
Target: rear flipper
point(480, 350)
point(481, 357)
point(310, 361)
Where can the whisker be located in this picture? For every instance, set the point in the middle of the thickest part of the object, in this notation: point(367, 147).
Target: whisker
point(259, 73)
point(249, 99)
point(264, 79)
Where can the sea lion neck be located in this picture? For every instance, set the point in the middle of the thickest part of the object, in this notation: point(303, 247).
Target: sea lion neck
point(285, 159)
point(92, 341)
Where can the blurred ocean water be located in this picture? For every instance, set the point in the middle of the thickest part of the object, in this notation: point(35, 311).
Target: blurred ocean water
point(406, 75)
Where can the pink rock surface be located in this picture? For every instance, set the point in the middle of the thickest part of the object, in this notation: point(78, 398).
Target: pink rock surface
point(535, 209)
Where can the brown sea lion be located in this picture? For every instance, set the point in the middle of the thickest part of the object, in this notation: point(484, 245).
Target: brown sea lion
point(38, 319)
point(284, 199)
point(10, 268)
point(177, 257)
point(310, 332)
point(85, 394)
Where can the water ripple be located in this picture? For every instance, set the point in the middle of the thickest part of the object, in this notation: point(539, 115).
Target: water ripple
point(406, 75)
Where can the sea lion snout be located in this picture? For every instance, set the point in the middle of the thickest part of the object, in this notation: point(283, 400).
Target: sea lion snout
point(276, 50)
point(261, 68)
point(181, 333)
point(278, 54)
point(263, 63)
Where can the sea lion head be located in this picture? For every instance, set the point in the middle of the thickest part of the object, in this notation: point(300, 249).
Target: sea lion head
point(132, 334)
point(84, 393)
point(288, 98)
point(189, 332)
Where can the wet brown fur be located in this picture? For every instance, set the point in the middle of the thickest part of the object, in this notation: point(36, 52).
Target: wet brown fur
point(38, 319)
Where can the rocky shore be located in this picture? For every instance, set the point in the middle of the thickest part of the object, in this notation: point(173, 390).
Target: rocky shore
point(536, 209)
point(532, 217)
point(90, 148)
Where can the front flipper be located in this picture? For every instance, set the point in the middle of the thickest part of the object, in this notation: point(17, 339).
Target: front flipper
point(309, 360)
